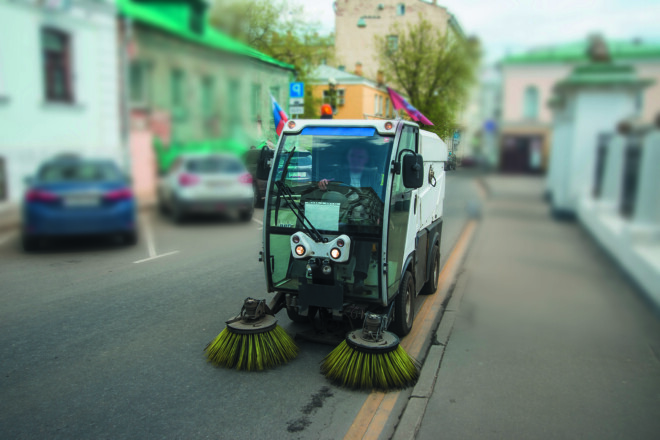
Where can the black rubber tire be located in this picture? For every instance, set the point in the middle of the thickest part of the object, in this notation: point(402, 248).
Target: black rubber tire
point(245, 216)
point(162, 207)
point(295, 317)
point(258, 197)
point(404, 306)
point(431, 285)
point(176, 212)
point(30, 244)
point(130, 238)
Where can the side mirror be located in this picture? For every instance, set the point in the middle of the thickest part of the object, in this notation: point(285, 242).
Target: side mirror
point(264, 163)
point(413, 171)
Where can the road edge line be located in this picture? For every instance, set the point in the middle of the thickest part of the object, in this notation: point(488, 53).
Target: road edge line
point(377, 405)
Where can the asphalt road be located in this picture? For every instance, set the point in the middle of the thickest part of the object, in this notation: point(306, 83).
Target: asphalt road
point(99, 340)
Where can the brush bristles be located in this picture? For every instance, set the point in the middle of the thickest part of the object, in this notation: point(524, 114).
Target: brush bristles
point(251, 352)
point(352, 368)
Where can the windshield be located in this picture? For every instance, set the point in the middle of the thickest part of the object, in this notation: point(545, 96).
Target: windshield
point(214, 164)
point(336, 176)
point(79, 171)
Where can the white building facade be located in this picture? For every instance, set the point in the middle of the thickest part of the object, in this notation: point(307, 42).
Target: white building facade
point(59, 86)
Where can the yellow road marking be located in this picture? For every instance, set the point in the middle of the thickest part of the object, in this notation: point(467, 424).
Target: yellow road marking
point(376, 410)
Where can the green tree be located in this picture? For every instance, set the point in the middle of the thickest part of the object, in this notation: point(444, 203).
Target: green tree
point(435, 69)
point(279, 29)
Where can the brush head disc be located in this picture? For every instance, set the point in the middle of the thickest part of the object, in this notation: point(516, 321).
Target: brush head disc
point(248, 327)
point(388, 342)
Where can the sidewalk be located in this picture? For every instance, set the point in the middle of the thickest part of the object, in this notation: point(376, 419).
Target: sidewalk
point(9, 216)
point(545, 337)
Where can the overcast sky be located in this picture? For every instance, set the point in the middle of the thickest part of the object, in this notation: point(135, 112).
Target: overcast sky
point(511, 26)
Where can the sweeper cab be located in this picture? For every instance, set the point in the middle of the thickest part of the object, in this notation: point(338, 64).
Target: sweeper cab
point(353, 221)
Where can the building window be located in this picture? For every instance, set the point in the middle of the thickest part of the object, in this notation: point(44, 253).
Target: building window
point(275, 93)
point(639, 101)
point(139, 83)
point(3, 180)
point(531, 103)
point(400, 9)
point(392, 43)
point(177, 89)
point(207, 98)
point(255, 102)
point(57, 64)
point(376, 104)
point(234, 107)
point(388, 110)
point(340, 95)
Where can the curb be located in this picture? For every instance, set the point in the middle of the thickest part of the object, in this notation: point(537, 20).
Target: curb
point(10, 218)
point(413, 415)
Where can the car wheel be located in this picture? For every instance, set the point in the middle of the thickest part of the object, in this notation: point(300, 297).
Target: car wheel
point(29, 243)
point(130, 238)
point(176, 212)
point(404, 306)
point(258, 200)
point(161, 205)
point(246, 216)
point(432, 284)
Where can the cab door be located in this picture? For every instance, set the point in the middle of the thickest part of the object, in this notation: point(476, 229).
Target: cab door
point(401, 228)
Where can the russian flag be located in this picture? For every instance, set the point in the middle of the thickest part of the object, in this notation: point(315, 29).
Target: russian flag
point(399, 103)
point(279, 116)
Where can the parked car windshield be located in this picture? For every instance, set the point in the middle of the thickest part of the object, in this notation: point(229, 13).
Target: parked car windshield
point(214, 164)
point(336, 175)
point(79, 171)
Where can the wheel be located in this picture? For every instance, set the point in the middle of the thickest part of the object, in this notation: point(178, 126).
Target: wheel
point(176, 212)
point(404, 306)
point(162, 208)
point(432, 284)
point(245, 216)
point(29, 243)
point(295, 317)
point(130, 238)
point(258, 198)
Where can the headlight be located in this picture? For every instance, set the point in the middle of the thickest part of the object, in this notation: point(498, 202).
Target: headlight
point(300, 250)
point(335, 253)
point(295, 239)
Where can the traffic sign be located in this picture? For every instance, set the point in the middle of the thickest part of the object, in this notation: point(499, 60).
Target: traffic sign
point(295, 101)
point(296, 110)
point(296, 90)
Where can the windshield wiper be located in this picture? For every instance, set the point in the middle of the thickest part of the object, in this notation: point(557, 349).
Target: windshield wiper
point(291, 203)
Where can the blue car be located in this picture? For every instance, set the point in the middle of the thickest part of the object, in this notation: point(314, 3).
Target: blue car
point(72, 197)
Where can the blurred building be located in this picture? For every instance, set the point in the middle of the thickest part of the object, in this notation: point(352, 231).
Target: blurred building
point(352, 96)
point(604, 163)
point(527, 85)
point(484, 143)
point(59, 85)
point(358, 22)
point(191, 86)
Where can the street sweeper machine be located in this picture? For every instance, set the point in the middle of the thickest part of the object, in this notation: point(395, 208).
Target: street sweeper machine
point(351, 235)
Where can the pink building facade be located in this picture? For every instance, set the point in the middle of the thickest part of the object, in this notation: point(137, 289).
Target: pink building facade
point(527, 88)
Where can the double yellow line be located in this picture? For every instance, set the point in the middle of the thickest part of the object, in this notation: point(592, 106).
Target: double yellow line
point(377, 409)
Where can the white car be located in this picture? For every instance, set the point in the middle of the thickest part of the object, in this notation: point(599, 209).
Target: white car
point(206, 183)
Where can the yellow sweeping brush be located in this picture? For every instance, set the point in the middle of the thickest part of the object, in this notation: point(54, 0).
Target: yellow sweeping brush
point(371, 358)
point(252, 341)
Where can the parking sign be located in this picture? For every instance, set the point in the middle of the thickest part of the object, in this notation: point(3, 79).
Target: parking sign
point(296, 90)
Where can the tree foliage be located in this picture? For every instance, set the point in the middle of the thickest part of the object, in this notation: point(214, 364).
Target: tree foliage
point(435, 69)
point(279, 29)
